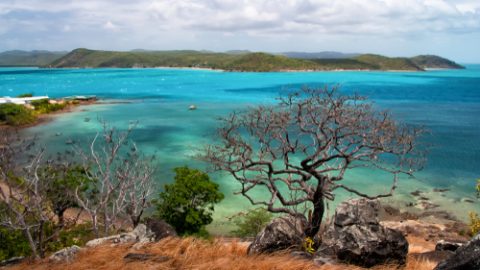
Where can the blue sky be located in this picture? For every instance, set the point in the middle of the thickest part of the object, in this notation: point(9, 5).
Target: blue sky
point(450, 28)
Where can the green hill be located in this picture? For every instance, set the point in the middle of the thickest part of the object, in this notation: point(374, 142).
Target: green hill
point(433, 61)
point(238, 61)
point(388, 63)
point(28, 58)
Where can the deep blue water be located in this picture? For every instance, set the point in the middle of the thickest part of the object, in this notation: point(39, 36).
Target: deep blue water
point(446, 102)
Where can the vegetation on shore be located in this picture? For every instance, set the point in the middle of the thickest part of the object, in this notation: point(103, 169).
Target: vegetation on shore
point(245, 61)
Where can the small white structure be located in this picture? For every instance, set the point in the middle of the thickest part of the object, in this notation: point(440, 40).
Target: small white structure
point(21, 101)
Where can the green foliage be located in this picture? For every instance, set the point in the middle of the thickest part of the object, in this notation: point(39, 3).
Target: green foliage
point(248, 61)
point(251, 223)
point(474, 217)
point(61, 181)
point(474, 223)
point(25, 95)
point(77, 235)
point(433, 61)
point(387, 63)
point(16, 115)
point(188, 203)
point(43, 106)
point(13, 244)
point(309, 245)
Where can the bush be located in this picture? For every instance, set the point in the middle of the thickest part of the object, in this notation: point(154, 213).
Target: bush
point(12, 244)
point(44, 106)
point(16, 115)
point(474, 223)
point(188, 203)
point(251, 223)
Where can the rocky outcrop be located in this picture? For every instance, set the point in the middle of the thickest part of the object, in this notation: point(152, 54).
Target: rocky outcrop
point(356, 236)
point(66, 254)
point(160, 229)
point(280, 234)
point(466, 257)
point(140, 234)
point(444, 245)
point(11, 261)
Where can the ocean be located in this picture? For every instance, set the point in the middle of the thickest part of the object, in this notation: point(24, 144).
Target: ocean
point(446, 102)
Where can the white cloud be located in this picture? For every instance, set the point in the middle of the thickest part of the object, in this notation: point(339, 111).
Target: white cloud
point(109, 26)
point(158, 23)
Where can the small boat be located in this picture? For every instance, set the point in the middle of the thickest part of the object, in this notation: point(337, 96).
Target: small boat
point(192, 107)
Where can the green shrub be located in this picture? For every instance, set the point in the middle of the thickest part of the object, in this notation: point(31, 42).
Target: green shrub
point(12, 244)
point(16, 115)
point(188, 203)
point(251, 223)
point(44, 106)
point(474, 223)
point(78, 235)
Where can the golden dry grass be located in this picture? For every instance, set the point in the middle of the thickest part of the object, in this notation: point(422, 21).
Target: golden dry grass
point(192, 253)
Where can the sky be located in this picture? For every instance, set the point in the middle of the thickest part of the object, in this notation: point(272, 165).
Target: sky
point(450, 28)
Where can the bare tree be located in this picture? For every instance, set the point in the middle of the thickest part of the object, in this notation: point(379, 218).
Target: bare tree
point(22, 194)
point(120, 177)
point(305, 145)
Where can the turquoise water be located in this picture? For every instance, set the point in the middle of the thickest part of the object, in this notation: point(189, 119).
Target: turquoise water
point(447, 102)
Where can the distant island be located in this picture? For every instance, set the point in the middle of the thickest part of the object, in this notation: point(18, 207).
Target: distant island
point(228, 61)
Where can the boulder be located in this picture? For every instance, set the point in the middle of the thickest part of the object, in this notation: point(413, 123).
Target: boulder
point(443, 245)
point(140, 234)
point(160, 229)
point(11, 261)
point(66, 254)
point(280, 234)
point(466, 257)
point(356, 236)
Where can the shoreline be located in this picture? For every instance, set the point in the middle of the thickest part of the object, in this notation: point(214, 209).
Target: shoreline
point(227, 70)
point(43, 119)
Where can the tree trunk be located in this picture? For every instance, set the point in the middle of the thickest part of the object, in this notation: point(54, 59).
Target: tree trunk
point(61, 218)
point(41, 250)
point(95, 224)
point(31, 242)
point(318, 211)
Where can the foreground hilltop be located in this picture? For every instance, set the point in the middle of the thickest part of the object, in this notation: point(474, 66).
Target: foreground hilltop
point(243, 61)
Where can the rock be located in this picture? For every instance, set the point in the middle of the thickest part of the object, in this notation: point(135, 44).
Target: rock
point(66, 254)
point(160, 229)
point(139, 257)
point(140, 234)
point(416, 193)
point(441, 189)
point(302, 255)
point(280, 234)
point(466, 257)
point(143, 234)
point(11, 261)
point(468, 200)
point(443, 245)
point(425, 205)
point(356, 236)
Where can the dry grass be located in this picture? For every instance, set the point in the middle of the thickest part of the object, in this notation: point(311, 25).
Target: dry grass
point(191, 253)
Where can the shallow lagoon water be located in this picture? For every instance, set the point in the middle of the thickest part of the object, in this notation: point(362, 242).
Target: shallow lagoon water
point(447, 102)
